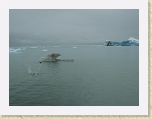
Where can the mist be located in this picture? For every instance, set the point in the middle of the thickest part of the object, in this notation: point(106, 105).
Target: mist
point(71, 26)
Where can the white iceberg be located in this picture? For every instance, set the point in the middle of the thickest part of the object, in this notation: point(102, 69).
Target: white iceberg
point(15, 50)
point(55, 46)
point(45, 50)
point(34, 47)
point(130, 42)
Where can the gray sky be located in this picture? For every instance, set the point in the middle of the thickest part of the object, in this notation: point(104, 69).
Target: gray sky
point(50, 27)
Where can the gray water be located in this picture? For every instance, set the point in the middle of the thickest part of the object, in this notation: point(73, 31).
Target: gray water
point(98, 76)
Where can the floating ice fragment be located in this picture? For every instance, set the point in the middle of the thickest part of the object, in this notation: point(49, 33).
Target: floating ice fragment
point(55, 46)
point(45, 50)
point(33, 47)
point(15, 50)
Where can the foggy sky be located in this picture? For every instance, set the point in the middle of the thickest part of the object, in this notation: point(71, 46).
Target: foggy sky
point(49, 27)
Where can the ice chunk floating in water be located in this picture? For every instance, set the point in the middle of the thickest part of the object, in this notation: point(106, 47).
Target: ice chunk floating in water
point(34, 47)
point(44, 50)
point(130, 42)
point(15, 50)
point(55, 46)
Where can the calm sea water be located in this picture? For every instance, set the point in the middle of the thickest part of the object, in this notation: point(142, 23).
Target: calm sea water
point(98, 76)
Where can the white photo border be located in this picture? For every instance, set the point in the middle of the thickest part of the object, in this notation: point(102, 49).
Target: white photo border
point(142, 109)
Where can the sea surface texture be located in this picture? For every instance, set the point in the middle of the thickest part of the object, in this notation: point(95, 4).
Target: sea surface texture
point(98, 76)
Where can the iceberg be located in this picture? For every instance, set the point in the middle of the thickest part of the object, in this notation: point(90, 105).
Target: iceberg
point(45, 50)
point(55, 46)
point(15, 50)
point(130, 42)
point(34, 47)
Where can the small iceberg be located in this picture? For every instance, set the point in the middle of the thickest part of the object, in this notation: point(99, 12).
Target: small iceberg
point(15, 50)
point(45, 50)
point(33, 47)
point(74, 47)
point(55, 46)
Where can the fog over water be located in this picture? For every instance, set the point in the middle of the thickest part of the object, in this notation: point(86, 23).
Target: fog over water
point(73, 26)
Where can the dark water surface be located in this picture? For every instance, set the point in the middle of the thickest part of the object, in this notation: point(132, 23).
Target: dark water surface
point(98, 76)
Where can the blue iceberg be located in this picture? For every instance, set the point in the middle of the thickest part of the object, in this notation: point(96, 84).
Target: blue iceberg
point(130, 42)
